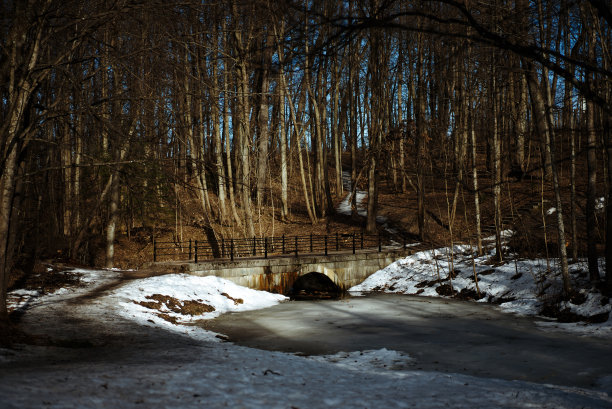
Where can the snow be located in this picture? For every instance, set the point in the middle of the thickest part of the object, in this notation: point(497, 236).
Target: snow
point(344, 207)
point(209, 290)
point(212, 291)
point(374, 361)
point(160, 363)
point(519, 286)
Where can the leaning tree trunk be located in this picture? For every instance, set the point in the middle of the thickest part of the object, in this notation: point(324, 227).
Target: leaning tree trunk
point(298, 140)
point(13, 132)
point(228, 150)
point(542, 125)
point(7, 185)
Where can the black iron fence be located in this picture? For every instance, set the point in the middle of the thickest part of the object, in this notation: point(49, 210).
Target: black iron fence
point(268, 246)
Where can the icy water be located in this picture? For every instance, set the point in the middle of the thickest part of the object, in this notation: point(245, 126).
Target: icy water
point(441, 335)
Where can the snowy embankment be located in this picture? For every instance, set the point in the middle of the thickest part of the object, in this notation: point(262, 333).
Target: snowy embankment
point(177, 300)
point(525, 287)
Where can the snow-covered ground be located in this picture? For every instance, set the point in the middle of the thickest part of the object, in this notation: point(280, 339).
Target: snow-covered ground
point(142, 348)
point(216, 296)
point(344, 207)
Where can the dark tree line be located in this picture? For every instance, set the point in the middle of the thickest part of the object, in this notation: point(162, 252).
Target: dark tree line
point(110, 107)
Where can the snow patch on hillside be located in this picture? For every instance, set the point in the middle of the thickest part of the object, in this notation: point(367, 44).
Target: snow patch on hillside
point(519, 286)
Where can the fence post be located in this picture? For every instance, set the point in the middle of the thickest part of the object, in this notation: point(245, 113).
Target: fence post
point(254, 246)
point(361, 240)
point(196, 252)
point(189, 249)
point(353, 243)
point(311, 242)
point(379, 244)
point(336, 241)
point(232, 249)
point(265, 247)
point(296, 246)
point(154, 251)
point(222, 247)
point(326, 244)
point(283, 244)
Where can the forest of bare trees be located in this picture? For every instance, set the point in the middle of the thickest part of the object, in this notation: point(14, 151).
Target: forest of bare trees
point(112, 109)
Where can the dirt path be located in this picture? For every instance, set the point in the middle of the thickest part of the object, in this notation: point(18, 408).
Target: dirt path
point(442, 335)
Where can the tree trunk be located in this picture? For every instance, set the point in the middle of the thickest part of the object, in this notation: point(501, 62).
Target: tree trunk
point(372, 193)
point(378, 102)
point(223, 219)
point(244, 135)
point(336, 129)
point(574, 225)
point(66, 162)
point(20, 88)
point(228, 147)
point(608, 142)
point(521, 127)
point(112, 221)
point(591, 154)
point(422, 135)
point(7, 186)
point(283, 153)
point(475, 185)
point(542, 124)
point(496, 142)
point(353, 91)
point(262, 125)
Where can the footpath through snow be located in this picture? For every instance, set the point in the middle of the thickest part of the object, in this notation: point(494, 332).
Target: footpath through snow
point(134, 344)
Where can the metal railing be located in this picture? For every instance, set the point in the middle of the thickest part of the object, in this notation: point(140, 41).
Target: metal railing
point(267, 246)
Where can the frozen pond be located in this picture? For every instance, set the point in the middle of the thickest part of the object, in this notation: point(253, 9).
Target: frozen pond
point(441, 335)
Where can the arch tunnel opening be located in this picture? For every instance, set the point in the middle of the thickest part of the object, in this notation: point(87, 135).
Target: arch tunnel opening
point(315, 286)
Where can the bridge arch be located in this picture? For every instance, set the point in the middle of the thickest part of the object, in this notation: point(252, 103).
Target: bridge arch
point(314, 285)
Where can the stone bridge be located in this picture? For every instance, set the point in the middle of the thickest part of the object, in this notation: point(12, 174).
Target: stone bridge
point(277, 274)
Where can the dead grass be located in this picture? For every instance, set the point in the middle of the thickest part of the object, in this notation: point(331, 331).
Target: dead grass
point(163, 303)
point(237, 301)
